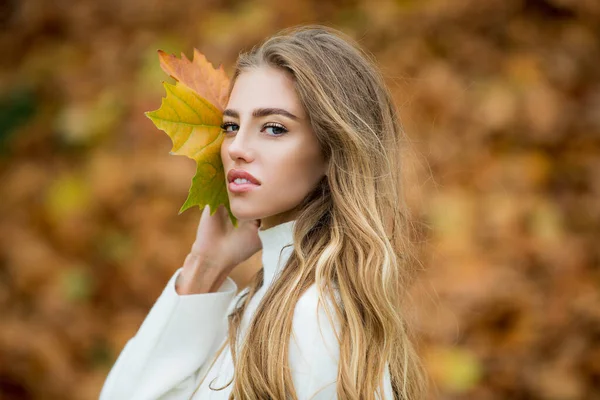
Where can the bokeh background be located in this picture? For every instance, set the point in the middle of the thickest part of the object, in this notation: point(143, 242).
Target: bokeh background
point(501, 101)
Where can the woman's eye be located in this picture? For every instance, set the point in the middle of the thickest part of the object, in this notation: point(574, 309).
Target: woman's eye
point(275, 129)
point(272, 129)
point(228, 127)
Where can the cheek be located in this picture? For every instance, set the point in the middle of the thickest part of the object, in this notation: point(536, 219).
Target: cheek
point(298, 170)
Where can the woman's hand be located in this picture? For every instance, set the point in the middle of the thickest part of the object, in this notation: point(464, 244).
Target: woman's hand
point(219, 247)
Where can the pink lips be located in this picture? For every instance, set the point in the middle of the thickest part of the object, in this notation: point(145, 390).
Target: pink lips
point(234, 174)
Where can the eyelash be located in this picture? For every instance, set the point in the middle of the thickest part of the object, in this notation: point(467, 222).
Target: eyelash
point(225, 125)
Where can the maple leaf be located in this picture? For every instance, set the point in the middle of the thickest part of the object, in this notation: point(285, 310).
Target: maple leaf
point(199, 75)
point(191, 114)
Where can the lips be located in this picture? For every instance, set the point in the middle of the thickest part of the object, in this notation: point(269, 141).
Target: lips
point(234, 174)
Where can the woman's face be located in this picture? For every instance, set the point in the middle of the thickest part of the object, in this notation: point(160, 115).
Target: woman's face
point(268, 135)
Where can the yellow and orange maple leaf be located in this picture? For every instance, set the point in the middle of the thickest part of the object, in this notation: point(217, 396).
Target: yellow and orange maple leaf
point(191, 114)
point(199, 75)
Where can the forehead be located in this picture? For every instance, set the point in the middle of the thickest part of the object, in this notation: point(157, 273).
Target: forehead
point(264, 87)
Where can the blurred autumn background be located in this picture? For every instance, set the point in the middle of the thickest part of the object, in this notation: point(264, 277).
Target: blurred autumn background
point(500, 98)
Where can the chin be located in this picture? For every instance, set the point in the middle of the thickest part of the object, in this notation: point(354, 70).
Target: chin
point(244, 213)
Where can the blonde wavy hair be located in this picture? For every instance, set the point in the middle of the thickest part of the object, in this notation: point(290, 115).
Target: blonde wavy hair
point(351, 236)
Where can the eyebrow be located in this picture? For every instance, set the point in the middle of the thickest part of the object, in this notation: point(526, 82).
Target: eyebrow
point(262, 112)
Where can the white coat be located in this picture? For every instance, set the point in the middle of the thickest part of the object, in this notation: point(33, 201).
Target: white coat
point(175, 346)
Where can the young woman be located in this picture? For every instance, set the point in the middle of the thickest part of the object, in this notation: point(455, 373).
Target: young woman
point(311, 154)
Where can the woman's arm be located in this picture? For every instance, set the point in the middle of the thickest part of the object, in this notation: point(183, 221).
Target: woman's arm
point(314, 351)
point(174, 340)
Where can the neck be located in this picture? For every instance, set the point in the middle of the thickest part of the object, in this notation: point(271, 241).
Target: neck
point(274, 220)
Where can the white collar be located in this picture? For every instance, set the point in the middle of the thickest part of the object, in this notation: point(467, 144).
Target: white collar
point(273, 240)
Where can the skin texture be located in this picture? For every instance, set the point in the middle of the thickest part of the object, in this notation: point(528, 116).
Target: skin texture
point(280, 151)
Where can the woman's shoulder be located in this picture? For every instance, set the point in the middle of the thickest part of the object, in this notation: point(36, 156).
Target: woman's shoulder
point(314, 343)
point(312, 310)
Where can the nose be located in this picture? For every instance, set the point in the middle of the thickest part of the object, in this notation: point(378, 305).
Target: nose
point(240, 147)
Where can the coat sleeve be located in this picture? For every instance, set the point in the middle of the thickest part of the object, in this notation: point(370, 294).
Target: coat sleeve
point(314, 351)
point(174, 340)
